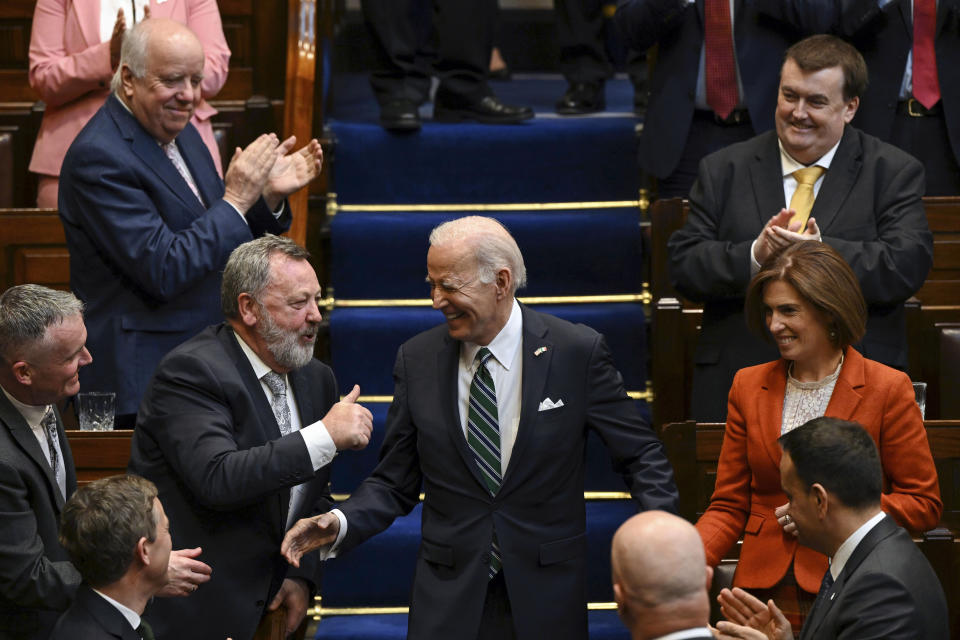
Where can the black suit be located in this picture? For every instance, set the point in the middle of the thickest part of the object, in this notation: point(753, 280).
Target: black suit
point(207, 437)
point(37, 581)
point(538, 513)
point(868, 209)
point(887, 589)
point(91, 617)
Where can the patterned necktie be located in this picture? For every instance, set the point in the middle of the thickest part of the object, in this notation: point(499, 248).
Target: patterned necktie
point(174, 154)
point(49, 425)
point(145, 631)
point(719, 62)
point(825, 585)
point(926, 85)
point(281, 410)
point(802, 200)
point(483, 437)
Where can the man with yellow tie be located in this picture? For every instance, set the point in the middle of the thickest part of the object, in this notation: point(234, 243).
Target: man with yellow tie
point(814, 178)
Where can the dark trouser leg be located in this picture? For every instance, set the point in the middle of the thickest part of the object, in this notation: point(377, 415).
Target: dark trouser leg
point(583, 57)
point(465, 31)
point(926, 139)
point(705, 137)
point(496, 623)
point(401, 32)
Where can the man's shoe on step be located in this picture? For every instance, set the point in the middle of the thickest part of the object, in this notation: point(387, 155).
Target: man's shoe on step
point(400, 115)
point(488, 110)
point(582, 98)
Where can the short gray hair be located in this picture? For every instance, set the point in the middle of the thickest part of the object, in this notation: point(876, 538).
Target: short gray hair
point(248, 269)
point(27, 310)
point(493, 247)
point(133, 54)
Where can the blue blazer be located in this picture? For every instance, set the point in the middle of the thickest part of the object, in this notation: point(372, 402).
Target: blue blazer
point(538, 513)
point(145, 253)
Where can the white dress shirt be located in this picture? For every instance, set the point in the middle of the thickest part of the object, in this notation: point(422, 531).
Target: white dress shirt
point(839, 559)
point(132, 616)
point(133, 11)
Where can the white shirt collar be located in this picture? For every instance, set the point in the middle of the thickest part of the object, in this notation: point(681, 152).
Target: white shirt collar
point(132, 616)
point(504, 346)
point(260, 368)
point(839, 559)
point(789, 165)
point(697, 632)
point(33, 414)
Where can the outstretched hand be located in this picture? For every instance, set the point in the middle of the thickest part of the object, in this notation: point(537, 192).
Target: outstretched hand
point(292, 171)
point(309, 534)
point(185, 573)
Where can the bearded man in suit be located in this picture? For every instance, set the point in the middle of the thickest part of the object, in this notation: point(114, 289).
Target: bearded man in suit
point(237, 429)
point(490, 414)
point(148, 221)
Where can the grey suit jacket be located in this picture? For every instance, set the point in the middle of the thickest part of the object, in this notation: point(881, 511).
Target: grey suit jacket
point(37, 581)
point(887, 590)
point(538, 513)
point(868, 208)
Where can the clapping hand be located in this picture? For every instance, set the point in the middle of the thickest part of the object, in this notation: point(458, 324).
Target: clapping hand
point(292, 171)
point(249, 170)
point(309, 534)
point(749, 618)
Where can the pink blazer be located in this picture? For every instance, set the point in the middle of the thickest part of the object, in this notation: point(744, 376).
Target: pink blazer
point(70, 69)
point(748, 475)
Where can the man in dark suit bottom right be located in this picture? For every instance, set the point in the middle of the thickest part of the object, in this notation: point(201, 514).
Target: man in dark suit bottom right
point(879, 584)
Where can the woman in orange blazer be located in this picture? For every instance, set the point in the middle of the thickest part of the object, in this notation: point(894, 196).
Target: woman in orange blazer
point(807, 299)
point(70, 67)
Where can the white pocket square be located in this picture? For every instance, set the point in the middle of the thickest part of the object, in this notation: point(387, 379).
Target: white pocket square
point(546, 404)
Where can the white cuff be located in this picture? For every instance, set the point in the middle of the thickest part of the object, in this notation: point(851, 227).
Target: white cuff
point(320, 445)
point(326, 553)
point(754, 265)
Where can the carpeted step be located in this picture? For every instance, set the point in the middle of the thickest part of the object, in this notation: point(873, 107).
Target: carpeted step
point(364, 341)
point(379, 572)
point(567, 252)
point(603, 625)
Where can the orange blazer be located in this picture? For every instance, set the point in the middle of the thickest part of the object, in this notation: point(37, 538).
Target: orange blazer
point(70, 69)
point(748, 474)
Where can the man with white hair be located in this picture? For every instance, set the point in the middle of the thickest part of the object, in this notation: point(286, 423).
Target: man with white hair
point(490, 415)
point(148, 221)
point(660, 577)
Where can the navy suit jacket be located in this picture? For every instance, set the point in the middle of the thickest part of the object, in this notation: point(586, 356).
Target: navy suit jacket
point(207, 437)
point(885, 38)
point(37, 581)
point(677, 27)
point(887, 590)
point(538, 513)
point(145, 253)
point(868, 208)
point(91, 617)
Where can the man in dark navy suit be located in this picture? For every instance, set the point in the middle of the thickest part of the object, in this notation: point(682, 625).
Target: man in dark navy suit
point(118, 536)
point(148, 221)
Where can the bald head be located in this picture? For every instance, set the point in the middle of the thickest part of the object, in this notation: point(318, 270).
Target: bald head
point(159, 75)
point(660, 575)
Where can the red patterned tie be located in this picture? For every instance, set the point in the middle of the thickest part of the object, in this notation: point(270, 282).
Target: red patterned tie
point(719, 68)
point(926, 87)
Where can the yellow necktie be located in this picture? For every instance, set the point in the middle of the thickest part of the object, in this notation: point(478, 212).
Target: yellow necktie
point(802, 200)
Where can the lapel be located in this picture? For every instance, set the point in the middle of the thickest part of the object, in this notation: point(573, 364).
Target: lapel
point(106, 615)
point(145, 147)
point(839, 180)
point(21, 433)
point(534, 380)
point(264, 413)
point(303, 397)
point(770, 408)
point(766, 176)
point(204, 174)
point(87, 15)
point(883, 529)
point(447, 374)
point(847, 396)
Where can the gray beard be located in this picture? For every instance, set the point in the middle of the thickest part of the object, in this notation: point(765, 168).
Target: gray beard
point(284, 345)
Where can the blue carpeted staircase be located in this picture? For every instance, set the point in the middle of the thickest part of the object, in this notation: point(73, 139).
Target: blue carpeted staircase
point(566, 188)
